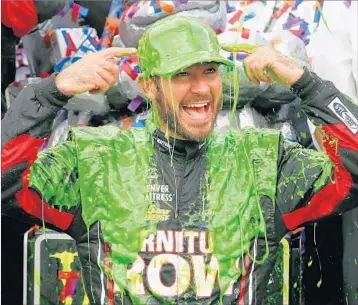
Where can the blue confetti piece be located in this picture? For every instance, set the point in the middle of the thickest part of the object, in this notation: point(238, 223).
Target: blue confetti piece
point(305, 29)
point(120, 12)
point(306, 40)
point(298, 2)
point(83, 11)
point(229, 8)
point(303, 235)
point(156, 9)
point(304, 25)
point(317, 16)
point(249, 16)
point(137, 69)
point(139, 124)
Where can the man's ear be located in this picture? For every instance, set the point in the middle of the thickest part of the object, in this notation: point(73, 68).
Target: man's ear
point(148, 87)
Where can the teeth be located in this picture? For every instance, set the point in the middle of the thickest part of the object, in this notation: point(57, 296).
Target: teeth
point(196, 105)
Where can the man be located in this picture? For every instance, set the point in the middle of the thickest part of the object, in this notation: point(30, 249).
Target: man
point(174, 213)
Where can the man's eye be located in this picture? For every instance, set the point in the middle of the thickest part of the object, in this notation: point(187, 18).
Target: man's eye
point(210, 70)
point(181, 74)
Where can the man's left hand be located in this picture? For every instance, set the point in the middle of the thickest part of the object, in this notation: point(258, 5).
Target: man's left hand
point(266, 64)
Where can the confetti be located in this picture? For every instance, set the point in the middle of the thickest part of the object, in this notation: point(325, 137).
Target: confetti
point(291, 22)
point(229, 8)
point(249, 16)
point(179, 2)
point(126, 67)
point(236, 17)
point(348, 3)
point(135, 103)
point(83, 11)
point(281, 11)
point(165, 7)
point(75, 12)
point(133, 10)
point(245, 33)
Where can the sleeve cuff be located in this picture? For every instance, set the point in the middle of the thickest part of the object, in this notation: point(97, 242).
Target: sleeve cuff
point(48, 94)
point(305, 83)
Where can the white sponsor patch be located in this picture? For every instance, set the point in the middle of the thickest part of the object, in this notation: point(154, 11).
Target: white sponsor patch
point(344, 115)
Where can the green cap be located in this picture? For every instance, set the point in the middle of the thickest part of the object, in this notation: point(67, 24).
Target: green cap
point(175, 43)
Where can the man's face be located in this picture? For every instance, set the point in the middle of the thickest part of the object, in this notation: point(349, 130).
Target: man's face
point(188, 103)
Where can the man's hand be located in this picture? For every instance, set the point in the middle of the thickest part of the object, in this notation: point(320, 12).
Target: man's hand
point(266, 64)
point(95, 72)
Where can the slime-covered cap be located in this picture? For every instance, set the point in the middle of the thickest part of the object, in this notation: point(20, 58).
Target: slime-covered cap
point(175, 43)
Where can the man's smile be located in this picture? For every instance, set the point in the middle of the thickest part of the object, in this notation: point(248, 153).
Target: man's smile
point(198, 111)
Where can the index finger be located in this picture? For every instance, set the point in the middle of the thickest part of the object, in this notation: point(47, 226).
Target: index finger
point(241, 47)
point(118, 52)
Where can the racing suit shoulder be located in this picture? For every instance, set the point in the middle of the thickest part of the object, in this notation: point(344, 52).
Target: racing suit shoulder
point(25, 127)
point(301, 173)
point(54, 175)
point(313, 185)
point(33, 111)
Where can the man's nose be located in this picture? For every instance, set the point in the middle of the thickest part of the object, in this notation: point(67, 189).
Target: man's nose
point(199, 85)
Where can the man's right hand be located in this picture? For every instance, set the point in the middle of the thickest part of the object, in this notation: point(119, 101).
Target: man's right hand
point(95, 72)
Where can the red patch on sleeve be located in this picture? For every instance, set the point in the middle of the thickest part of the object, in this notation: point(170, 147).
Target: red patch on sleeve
point(328, 198)
point(24, 148)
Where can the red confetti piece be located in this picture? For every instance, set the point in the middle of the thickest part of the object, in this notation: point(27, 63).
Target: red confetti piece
point(75, 12)
point(133, 10)
point(126, 67)
point(281, 11)
point(45, 75)
point(297, 32)
point(133, 59)
point(47, 38)
point(236, 17)
point(245, 33)
point(125, 12)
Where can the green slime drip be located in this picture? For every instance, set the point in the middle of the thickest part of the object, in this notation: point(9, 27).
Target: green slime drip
point(116, 195)
point(241, 168)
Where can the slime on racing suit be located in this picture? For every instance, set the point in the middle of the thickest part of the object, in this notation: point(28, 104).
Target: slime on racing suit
point(204, 226)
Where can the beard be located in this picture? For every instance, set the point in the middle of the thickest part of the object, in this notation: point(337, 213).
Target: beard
point(169, 117)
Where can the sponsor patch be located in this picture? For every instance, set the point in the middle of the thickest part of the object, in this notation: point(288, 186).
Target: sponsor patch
point(347, 117)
